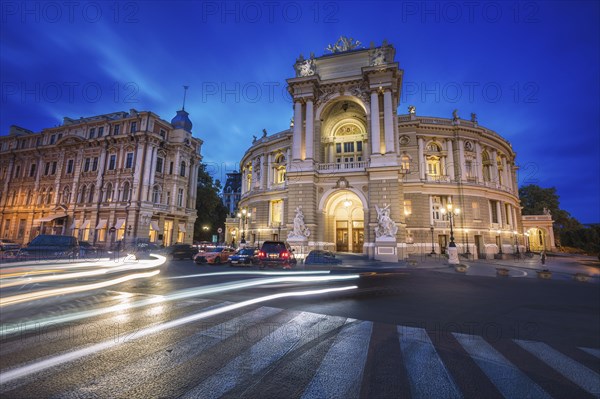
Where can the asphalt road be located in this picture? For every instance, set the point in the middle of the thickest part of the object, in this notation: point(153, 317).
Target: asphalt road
point(199, 332)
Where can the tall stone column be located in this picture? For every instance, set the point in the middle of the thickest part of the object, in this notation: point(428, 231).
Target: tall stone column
point(375, 128)
point(388, 121)
point(499, 213)
point(450, 162)
point(297, 138)
point(421, 159)
point(495, 175)
point(461, 159)
point(505, 178)
point(479, 166)
point(309, 141)
point(269, 170)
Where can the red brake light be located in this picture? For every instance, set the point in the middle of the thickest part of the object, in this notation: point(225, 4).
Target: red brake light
point(284, 254)
point(261, 254)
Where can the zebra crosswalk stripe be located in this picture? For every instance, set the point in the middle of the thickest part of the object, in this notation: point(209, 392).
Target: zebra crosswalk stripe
point(592, 351)
point(301, 329)
point(509, 380)
point(575, 372)
point(348, 353)
point(426, 373)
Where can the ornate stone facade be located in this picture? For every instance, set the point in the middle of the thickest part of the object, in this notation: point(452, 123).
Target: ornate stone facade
point(104, 178)
point(349, 154)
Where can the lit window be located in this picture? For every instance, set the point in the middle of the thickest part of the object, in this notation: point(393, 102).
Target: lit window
point(407, 207)
point(405, 162)
point(276, 212)
point(433, 166)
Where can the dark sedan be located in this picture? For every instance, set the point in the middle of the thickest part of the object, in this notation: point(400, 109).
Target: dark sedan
point(318, 256)
point(244, 256)
point(51, 246)
point(182, 251)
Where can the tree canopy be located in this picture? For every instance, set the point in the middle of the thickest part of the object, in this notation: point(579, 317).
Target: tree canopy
point(211, 211)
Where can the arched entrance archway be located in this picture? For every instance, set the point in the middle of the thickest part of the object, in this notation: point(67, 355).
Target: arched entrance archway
point(537, 239)
point(345, 221)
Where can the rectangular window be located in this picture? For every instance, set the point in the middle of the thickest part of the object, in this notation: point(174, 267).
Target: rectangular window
point(129, 160)
point(38, 141)
point(359, 146)
point(59, 136)
point(17, 171)
point(163, 134)
point(32, 170)
point(21, 229)
point(349, 147)
point(101, 131)
point(6, 228)
point(86, 165)
point(507, 213)
point(171, 168)
point(92, 132)
point(476, 212)
point(112, 163)
point(494, 211)
point(276, 212)
point(53, 168)
point(116, 129)
point(168, 198)
point(133, 127)
point(182, 169)
point(180, 197)
point(95, 164)
point(53, 139)
point(407, 207)
point(338, 148)
point(47, 169)
point(69, 166)
point(159, 165)
point(469, 169)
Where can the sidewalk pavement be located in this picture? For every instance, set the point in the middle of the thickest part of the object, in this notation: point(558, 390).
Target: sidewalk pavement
point(562, 266)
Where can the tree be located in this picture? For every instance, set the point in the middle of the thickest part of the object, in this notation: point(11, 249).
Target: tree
point(211, 211)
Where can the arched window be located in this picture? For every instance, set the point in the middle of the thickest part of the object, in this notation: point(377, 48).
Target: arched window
point(485, 158)
point(49, 196)
point(280, 169)
point(156, 195)
point(108, 195)
point(91, 195)
point(433, 147)
point(433, 166)
point(126, 191)
point(66, 198)
point(82, 195)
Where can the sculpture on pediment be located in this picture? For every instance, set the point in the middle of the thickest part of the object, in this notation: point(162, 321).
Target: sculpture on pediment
point(253, 139)
point(343, 44)
point(473, 117)
point(305, 67)
point(412, 109)
point(299, 230)
point(377, 57)
point(455, 115)
point(264, 133)
point(386, 227)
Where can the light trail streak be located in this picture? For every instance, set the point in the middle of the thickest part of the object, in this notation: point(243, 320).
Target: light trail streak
point(254, 273)
point(183, 294)
point(31, 296)
point(24, 371)
point(147, 264)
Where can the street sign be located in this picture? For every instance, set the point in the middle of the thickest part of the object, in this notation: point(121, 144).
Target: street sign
point(215, 238)
point(219, 230)
point(112, 229)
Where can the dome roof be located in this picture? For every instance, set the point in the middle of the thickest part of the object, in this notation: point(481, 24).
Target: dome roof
point(181, 121)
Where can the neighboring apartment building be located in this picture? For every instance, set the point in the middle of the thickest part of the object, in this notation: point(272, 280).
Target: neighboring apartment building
point(350, 167)
point(232, 192)
point(104, 178)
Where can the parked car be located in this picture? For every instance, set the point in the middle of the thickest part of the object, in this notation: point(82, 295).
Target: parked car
point(276, 253)
point(214, 255)
point(51, 246)
point(181, 251)
point(319, 256)
point(87, 249)
point(8, 245)
point(244, 256)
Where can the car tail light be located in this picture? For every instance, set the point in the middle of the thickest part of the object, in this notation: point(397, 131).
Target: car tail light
point(284, 254)
point(261, 254)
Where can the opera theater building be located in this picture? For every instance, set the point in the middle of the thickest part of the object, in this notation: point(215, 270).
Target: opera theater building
point(353, 175)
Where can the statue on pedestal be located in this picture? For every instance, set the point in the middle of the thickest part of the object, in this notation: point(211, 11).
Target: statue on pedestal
point(299, 231)
point(386, 227)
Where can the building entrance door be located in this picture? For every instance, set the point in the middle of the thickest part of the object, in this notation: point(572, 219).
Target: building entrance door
point(341, 236)
point(479, 247)
point(358, 239)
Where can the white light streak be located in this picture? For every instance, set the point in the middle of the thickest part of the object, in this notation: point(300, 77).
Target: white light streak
point(24, 371)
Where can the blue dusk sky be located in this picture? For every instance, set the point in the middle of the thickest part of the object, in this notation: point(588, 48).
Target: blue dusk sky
point(530, 70)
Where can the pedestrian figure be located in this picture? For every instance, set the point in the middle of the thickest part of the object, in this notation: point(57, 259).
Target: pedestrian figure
point(543, 257)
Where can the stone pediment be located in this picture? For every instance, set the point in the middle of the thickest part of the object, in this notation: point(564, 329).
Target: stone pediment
point(70, 140)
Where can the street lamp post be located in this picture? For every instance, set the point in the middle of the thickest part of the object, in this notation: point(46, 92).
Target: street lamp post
point(468, 252)
point(517, 243)
point(452, 250)
point(527, 248)
point(500, 242)
point(432, 247)
point(244, 215)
